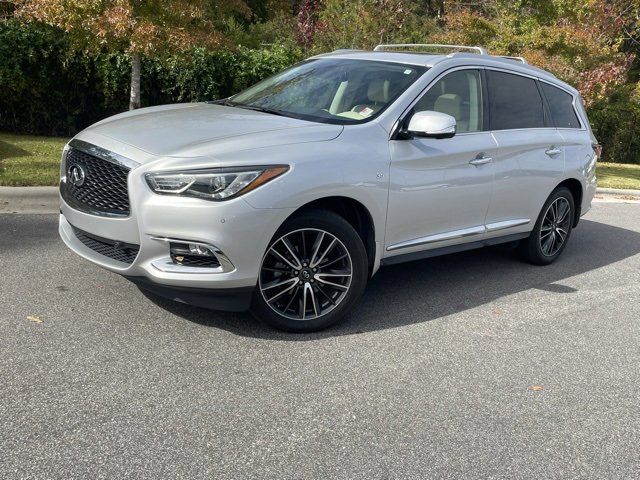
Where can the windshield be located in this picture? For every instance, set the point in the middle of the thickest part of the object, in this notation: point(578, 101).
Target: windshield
point(330, 90)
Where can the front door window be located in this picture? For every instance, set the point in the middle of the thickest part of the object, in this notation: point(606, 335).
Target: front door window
point(457, 94)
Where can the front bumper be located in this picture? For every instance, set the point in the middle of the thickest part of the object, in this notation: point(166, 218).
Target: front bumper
point(239, 230)
point(227, 299)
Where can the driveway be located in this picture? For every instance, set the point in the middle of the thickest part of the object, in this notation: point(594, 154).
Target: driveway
point(473, 365)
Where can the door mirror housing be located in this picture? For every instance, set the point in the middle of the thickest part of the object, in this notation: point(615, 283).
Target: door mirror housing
point(431, 124)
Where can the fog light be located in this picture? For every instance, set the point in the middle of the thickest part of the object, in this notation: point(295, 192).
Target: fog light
point(200, 250)
point(193, 255)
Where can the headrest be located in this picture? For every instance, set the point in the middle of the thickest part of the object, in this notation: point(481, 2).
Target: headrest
point(378, 91)
point(449, 103)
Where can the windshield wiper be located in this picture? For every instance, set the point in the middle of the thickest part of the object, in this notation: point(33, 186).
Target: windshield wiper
point(272, 111)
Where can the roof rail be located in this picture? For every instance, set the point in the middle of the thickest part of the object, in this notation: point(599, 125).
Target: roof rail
point(396, 46)
point(346, 50)
point(515, 59)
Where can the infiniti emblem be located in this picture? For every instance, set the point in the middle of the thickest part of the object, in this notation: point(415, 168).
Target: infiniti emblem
point(76, 175)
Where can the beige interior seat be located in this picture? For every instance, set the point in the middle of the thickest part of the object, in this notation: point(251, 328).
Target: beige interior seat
point(377, 97)
point(378, 91)
point(451, 104)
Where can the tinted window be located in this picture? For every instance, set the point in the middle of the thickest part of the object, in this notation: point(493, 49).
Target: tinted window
point(458, 94)
point(561, 107)
point(515, 102)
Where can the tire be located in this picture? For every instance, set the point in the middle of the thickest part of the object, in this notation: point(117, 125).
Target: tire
point(331, 280)
point(542, 247)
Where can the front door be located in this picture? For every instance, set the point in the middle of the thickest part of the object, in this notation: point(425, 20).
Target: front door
point(440, 189)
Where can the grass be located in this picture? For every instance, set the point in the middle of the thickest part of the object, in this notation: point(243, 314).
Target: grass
point(29, 160)
point(618, 175)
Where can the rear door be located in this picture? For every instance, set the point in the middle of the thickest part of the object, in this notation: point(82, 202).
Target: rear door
point(577, 140)
point(530, 157)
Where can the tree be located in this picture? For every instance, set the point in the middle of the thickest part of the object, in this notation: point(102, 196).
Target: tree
point(559, 36)
point(367, 23)
point(141, 28)
point(308, 23)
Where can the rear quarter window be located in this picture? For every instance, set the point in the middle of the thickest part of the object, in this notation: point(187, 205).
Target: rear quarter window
point(561, 107)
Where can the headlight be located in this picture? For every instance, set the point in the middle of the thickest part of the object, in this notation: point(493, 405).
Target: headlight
point(213, 184)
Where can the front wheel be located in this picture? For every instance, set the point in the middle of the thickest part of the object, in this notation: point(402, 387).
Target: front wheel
point(552, 230)
point(314, 272)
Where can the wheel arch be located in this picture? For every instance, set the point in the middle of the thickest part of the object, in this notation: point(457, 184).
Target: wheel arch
point(575, 187)
point(355, 213)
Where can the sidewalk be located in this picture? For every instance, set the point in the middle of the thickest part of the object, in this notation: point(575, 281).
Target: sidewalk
point(45, 199)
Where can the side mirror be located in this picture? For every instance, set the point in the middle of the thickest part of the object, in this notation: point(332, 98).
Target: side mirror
point(432, 125)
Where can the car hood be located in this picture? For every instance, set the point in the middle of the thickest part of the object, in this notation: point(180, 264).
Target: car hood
point(192, 129)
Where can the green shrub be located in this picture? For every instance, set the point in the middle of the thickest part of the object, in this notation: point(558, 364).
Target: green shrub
point(616, 124)
point(45, 89)
point(200, 75)
point(42, 87)
point(253, 65)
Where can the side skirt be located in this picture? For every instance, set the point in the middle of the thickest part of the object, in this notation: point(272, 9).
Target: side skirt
point(436, 252)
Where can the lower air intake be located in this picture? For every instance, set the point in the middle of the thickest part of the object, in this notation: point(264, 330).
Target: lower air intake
point(113, 249)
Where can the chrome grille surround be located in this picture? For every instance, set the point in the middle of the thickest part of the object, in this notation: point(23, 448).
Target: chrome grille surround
point(103, 190)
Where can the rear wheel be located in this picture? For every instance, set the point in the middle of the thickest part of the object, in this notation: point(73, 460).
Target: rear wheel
point(312, 274)
point(552, 230)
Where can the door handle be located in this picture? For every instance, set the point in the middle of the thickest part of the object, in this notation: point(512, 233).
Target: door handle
point(553, 151)
point(480, 160)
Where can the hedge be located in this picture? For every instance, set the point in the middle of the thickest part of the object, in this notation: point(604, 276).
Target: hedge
point(45, 89)
point(42, 89)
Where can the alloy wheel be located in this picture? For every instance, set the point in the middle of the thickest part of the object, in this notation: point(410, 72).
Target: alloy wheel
point(555, 226)
point(305, 274)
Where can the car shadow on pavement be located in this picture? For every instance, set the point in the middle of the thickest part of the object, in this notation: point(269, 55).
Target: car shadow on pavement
point(425, 290)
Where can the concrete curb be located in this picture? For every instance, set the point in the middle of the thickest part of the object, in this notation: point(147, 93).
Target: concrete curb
point(618, 191)
point(45, 199)
point(617, 195)
point(29, 200)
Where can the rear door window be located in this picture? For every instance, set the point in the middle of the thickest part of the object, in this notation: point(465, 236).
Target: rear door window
point(514, 102)
point(561, 107)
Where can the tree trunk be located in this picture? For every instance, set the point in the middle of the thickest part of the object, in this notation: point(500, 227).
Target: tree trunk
point(134, 99)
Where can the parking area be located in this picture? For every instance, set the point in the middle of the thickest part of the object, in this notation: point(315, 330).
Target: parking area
point(473, 365)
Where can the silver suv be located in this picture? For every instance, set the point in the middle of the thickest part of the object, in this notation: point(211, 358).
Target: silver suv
point(287, 197)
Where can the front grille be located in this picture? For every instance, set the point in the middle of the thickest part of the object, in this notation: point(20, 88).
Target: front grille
point(119, 251)
point(104, 189)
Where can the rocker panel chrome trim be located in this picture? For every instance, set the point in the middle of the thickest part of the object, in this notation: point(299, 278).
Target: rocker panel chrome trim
point(465, 232)
point(439, 237)
point(492, 227)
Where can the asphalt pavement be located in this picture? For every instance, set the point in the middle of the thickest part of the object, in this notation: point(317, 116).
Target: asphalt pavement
point(473, 365)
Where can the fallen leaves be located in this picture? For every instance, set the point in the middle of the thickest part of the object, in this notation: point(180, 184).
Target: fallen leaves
point(35, 319)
